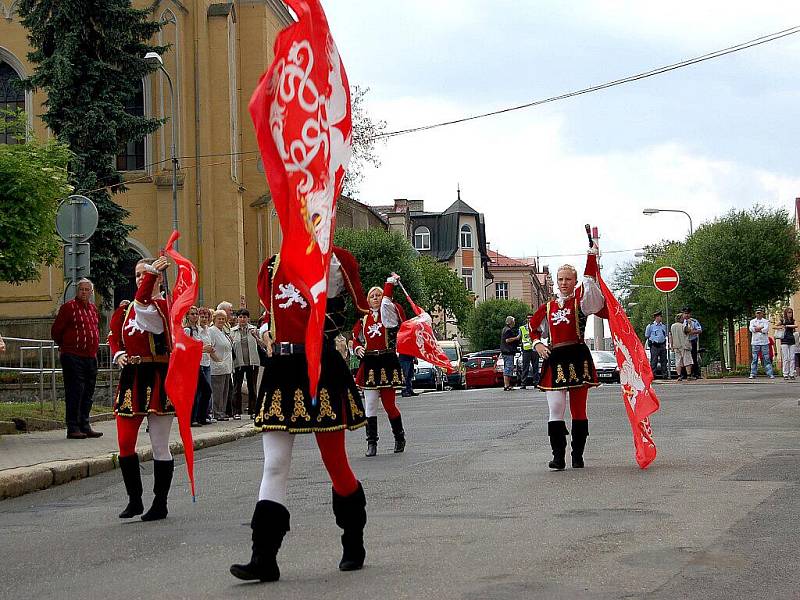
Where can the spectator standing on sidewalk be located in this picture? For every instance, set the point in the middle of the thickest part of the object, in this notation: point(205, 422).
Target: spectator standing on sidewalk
point(656, 334)
point(759, 344)
point(509, 341)
point(787, 343)
point(680, 344)
point(530, 359)
point(197, 328)
point(407, 366)
point(694, 339)
point(77, 333)
point(244, 336)
point(222, 367)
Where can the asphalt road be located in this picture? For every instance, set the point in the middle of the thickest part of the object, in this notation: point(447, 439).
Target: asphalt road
point(469, 511)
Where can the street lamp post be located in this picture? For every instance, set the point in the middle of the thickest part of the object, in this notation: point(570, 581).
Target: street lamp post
point(653, 211)
point(154, 58)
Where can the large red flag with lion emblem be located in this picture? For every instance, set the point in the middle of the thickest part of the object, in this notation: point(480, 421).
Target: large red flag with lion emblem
point(635, 375)
point(301, 113)
point(415, 338)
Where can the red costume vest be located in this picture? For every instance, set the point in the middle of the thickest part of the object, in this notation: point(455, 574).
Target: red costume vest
point(370, 332)
point(126, 334)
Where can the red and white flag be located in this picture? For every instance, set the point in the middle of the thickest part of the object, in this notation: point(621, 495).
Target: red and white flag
point(301, 113)
point(184, 360)
point(415, 338)
point(635, 375)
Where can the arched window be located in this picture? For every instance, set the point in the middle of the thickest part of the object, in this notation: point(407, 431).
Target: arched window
point(466, 236)
point(12, 97)
point(131, 156)
point(422, 238)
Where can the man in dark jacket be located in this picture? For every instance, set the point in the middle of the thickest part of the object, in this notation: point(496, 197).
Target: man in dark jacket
point(509, 340)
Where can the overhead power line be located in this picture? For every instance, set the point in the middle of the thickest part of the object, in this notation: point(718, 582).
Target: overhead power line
point(645, 74)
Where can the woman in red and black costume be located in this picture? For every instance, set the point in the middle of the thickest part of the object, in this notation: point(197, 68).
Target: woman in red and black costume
point(287, 409)
point(139, 340)
point(568, 369)
point(380, 374)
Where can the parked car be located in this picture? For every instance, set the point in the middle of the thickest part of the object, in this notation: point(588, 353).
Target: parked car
point(606, 364)
point(427, 375)
point(490, 353)
point(458, 378)
point(481, 372)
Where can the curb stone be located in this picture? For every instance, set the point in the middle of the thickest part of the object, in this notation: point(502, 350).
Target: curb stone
point(23, 480)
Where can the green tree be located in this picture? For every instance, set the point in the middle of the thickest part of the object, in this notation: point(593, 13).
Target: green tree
point(88, 58)
point(486, 321)
point(744, 259)
point(380, 252)
point(33, 178)
point(365, 132)
point(446, 292)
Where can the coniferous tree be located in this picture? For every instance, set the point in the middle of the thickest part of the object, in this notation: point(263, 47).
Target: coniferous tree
point(89, 60)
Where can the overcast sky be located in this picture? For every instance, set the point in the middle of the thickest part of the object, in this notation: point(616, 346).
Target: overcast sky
point(705, 139)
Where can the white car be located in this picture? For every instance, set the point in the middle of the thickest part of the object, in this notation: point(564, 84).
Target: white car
point(606, 365)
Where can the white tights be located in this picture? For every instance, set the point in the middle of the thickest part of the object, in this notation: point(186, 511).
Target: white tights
point(372, 399)
point(557, 403)
point(159, 426)
point(277, 460)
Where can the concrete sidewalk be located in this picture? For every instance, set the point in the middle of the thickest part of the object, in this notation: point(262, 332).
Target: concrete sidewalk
point(39, 460)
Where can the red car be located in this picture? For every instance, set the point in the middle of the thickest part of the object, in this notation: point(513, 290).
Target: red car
point(481, 372)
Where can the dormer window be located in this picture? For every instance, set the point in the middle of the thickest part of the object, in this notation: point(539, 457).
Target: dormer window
point(422, 238)
point(466, 236)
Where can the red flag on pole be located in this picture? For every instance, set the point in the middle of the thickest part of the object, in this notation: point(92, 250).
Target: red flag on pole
point(415, 338)
point(635, 375)
point(184, 361)
point(301, 113)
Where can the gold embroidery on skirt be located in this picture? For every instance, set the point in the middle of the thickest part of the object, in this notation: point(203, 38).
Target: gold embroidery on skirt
point(587, 374)
point(573, 376)
point(147, 399)
point(396, 380)
point(300, 411)
point(560, 374)
point(325, 409)
point(275, 409)
point(370, 378)
point(356, 412)
point(126, 403)
point(384, 378)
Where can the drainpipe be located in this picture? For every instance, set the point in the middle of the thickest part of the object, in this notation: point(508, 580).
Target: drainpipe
point(197, 184)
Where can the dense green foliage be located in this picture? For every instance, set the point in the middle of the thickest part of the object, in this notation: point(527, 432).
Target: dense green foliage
point(446, 293)
point(88, 58)
point(727, 267)
point(33, 178)
point(487, 319)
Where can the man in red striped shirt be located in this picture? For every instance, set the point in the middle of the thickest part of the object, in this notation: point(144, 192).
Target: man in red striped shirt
point(77, 333)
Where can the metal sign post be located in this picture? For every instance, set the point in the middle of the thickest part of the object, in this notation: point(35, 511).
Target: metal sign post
point(76, 222)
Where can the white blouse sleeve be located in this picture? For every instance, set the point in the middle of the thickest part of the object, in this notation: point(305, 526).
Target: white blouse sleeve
point(389, 316)
point(147, 318)
point(592, 300)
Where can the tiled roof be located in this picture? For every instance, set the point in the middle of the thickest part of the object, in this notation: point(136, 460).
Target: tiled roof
point(500, 260)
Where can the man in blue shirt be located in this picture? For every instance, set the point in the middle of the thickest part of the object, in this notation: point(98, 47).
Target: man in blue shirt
point(694, 337)
point(656, 334)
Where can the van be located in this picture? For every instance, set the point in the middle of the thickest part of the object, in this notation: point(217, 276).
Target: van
point(454, 352)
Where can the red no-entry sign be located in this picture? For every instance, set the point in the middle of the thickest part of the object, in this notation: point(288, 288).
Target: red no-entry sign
point(666, 279)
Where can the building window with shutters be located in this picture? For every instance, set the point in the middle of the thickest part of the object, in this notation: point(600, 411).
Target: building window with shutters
point(466, 236)
point(466, 277)
point(422, 238)
point(501, 290)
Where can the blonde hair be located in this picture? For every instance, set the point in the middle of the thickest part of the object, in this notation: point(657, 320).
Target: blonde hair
point(375, 287)
point(570, 268)
point(219, 313)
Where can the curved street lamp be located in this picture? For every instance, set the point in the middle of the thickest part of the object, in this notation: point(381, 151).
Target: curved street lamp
point(154, 58)
point(653, 211)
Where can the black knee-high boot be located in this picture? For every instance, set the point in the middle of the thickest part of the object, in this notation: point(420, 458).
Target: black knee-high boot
point(580, 431)
point(162, 480)
point(399, 434)
point(372, 436)
point(351, 515)
point(132, 476)
point(557, 430)
point(270, 523)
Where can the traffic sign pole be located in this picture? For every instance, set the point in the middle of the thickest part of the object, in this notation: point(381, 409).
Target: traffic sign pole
point(76, 221)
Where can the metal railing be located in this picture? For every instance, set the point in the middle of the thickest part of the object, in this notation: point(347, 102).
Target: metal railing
point(40, 359)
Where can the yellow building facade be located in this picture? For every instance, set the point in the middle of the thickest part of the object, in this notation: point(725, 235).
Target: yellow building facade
point(218, 52)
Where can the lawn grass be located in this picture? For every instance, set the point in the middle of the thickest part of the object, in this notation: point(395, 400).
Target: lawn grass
point(33, 411)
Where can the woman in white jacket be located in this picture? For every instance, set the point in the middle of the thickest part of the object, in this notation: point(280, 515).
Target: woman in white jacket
point(222, 366)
